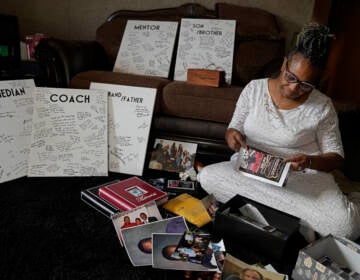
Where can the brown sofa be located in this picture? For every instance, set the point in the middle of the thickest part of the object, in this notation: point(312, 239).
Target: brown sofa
point(183, 112)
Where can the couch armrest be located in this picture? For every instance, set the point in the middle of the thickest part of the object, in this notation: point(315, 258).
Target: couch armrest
point(62, 59)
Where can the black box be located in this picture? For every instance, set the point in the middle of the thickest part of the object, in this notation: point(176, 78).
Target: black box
point(275, 244)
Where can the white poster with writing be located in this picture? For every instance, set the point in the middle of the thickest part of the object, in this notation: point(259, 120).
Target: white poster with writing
point(205, 44)
point(69, 133)
point(16, 109)
point(130, 115)
point(146, 48)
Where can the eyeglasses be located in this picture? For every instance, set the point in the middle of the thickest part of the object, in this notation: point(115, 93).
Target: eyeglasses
point(291, 78)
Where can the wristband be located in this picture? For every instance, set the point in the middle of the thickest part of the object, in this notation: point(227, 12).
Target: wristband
point(310, 161)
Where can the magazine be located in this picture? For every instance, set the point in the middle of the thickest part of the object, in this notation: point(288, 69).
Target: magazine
point(263, 166)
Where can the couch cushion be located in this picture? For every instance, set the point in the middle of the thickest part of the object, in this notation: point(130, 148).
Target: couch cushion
point(83, 80)
point(199, 102)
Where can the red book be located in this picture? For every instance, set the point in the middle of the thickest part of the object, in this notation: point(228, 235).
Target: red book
point(130, 193)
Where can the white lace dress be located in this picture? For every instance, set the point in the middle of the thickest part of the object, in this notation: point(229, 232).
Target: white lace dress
point(311, 128)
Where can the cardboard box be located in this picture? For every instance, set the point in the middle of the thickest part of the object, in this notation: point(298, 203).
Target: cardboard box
point(205, 77)
point(276, 244)
point(343, 252)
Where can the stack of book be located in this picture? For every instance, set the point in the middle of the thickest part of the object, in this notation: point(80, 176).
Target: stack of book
point(122, 195)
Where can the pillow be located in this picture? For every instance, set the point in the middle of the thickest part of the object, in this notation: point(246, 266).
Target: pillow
point(256, 59)
point(251, 22)
point(109, 35)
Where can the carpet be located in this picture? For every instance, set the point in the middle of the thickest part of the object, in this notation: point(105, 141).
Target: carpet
point(47, 232)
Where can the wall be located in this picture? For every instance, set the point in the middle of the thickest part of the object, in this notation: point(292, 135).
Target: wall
point(78, 19)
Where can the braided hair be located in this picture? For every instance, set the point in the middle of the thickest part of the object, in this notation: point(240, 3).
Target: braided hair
point(314, 42)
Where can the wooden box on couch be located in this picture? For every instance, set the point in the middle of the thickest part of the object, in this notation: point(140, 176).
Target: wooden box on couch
point(329, 257)
point(273, 241)
point(205, 77)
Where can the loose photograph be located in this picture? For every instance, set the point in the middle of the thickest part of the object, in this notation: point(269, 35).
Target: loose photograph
point(235, 269)
point(135, 217)
point(138, 240)
point(166, 256)
point(172, 156)
point(180, 185)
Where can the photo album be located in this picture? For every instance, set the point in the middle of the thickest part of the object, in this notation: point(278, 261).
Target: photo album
point(131, 193)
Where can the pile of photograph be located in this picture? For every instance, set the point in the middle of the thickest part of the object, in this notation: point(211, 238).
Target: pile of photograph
point(165, 243)
point(169, 243)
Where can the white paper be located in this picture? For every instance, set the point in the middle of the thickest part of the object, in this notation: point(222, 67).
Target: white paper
point(69, 134)
point(16, 107)
point(146, 48)
point(130, 115)
point(269, 267)
point(205, 44)
point(253, 213)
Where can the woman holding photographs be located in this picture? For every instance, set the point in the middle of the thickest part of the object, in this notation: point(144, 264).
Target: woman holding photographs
point(287, 116)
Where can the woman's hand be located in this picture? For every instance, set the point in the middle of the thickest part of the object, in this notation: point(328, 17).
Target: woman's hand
point(324, 162)
point(299, 161)
point(235, 140)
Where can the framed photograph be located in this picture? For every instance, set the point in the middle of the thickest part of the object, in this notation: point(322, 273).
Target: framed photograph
point(180, 185)
point(136, 191)
point(172, 156)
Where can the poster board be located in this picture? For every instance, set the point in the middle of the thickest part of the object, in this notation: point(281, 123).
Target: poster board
point(16, 108)
point(130, 115)
point(205, 44)
point(69, 133)
point(146, 48)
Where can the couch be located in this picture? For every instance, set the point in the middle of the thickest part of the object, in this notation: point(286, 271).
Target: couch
point(183, 112)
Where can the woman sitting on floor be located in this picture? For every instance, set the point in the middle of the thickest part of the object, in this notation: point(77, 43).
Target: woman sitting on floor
point(287, 116)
